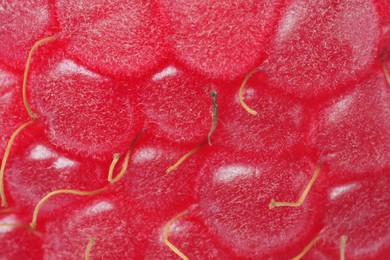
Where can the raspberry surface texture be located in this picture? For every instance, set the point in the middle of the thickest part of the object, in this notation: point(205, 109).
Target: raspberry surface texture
point(205, 129)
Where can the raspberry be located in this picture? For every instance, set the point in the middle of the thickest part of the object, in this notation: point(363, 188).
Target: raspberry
point(123, 39)
point(221, 39)
point(22, 24)
point(352, 131)
point(204, 129)
point(179, 106)
point(100, 116)
point(320, 47)
point(232, 190)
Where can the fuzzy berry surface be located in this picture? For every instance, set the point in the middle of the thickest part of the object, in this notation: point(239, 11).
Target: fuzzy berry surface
point(143, 83)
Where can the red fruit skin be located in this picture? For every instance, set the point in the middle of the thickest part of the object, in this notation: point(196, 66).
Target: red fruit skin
point(278, 127)
point(152, 189)
point(383, 9)
point(178, 105)
point(112, 49)
point(22, 24)
point(72, 13)
point(360, 210)
point(16, 242)
point(122, 39)
point(234, 193)
point(220, 39)
point(12, 112)
point(190, 235)
point(351, 131)
point(320, 47)
point(38, 168)
point(121, 230)
point(85, 113)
